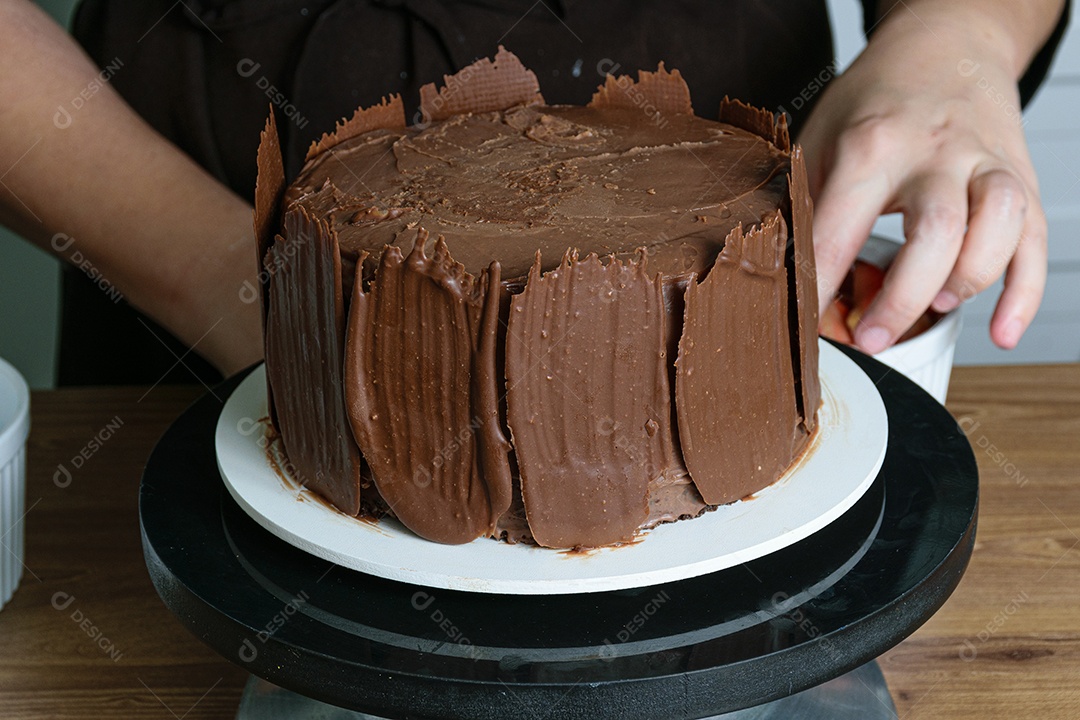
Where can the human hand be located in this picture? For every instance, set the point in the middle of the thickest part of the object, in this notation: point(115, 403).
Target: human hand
point(930, 128)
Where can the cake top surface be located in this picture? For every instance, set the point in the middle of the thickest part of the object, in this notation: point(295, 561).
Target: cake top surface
point(502, 185)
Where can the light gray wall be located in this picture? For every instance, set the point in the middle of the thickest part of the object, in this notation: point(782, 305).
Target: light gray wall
point(30, 287)
point(29, 279)
point(29, 309)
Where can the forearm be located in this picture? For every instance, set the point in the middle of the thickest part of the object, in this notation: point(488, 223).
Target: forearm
point(169, 237)
point(1015, 30)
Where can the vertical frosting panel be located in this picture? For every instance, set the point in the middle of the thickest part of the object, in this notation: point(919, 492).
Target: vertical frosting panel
point(756, 120)
point(388, 114)
point(661, 91)
point(734, 387)
point(484, 86)
point(269, 189)
point(305, 335)
point(588, 399)
point(803, 272)
point(422, 394)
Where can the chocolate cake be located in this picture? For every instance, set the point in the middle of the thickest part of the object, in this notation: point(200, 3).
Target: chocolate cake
point(550, 324)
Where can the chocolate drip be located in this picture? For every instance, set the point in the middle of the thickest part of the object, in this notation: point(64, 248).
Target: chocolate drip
point(735, 395)
point(660, 91)
point(803, 276)
point(422, 396)
point(481, 87)
point(387, 115)
point(588, 400)
point(305, 335)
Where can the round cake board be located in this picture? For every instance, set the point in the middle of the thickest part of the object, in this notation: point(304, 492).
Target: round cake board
point(837, 468)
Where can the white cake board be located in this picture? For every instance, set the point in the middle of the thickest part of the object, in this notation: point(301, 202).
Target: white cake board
point(836, 470)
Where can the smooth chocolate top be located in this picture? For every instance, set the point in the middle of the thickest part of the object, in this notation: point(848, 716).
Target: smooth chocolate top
point(503, 185)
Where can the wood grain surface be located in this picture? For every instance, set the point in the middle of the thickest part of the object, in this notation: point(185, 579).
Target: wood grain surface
point(87, 637)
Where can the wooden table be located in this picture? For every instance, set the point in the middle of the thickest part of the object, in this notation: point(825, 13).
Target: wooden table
point(87, 637)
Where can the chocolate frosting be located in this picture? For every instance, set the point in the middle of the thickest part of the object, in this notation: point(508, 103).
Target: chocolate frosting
point(587, 446)
point(660, 92)
point(805, 296)
point(485, 85)
point(305, 334)
point(422, 392)
point(756, 120)
point(502, 185)
point(390, 113)
point(497, 329)
point(735, 386)
point(269, 188)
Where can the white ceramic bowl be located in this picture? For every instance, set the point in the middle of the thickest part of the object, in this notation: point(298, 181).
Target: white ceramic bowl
point(14, 429)
point(926, 358)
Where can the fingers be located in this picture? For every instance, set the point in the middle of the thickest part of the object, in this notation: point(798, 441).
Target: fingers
point(935, 219)
point(999, 204)
point(852, 198)
point(1025, 282)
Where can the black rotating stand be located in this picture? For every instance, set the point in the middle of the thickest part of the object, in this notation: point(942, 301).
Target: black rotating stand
point(748, 639)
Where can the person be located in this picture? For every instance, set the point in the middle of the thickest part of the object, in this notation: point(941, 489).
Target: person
point(134, 156)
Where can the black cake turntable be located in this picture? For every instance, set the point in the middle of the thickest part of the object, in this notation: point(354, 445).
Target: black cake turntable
point(792, 634)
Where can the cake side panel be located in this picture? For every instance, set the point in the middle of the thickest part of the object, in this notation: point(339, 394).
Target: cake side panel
point(654, 92)
point(588, 401)
point(484, 86)
point(488, 389)
point(735, 390)
point(416, 355)
point(269, 189)
point(802, 272)
point(756, 120)
point(672, 494)
point(512, 526)
point(387, 115)
point(305, 336)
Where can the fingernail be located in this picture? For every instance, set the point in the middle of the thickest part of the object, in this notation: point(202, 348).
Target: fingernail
point(945, 301)
point(873, 339)
point(1012, 331)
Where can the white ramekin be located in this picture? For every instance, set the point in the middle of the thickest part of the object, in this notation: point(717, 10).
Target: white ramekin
point(926, 358)
point(14, 429)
